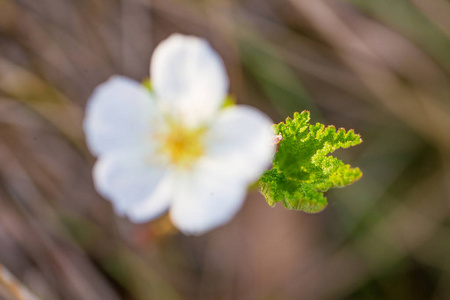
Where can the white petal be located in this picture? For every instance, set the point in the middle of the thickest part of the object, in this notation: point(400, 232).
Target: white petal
point(130, 182)
point(205, 200)
point(241, 140)
point(119, 115)
point(156, 204)
point(189, 77)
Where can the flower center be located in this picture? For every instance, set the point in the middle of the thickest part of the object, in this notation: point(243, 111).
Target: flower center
point(183, 145)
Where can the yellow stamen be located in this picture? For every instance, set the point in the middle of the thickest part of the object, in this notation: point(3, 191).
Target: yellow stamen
point(183, 145)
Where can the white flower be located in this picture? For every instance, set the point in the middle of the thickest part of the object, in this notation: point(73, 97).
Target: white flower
point(176, 148)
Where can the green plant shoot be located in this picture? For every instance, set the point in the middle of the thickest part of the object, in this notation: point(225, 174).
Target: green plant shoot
point(302, 169)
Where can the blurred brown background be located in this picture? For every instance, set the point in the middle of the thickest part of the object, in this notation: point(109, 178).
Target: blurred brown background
point(381, 67)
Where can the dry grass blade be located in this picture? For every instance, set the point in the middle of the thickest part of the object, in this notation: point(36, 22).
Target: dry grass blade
point(415, 106)
point(11, 288)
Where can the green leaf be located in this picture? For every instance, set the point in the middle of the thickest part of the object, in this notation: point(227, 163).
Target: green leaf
point(302, 169)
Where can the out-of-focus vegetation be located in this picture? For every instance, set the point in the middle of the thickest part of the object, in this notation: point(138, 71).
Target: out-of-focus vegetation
point(381, 67)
